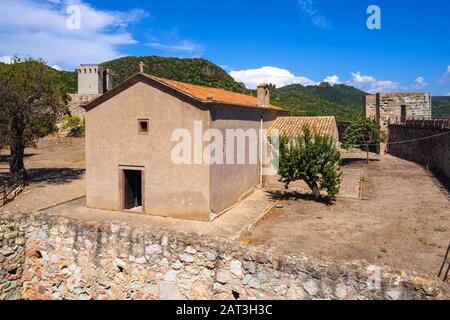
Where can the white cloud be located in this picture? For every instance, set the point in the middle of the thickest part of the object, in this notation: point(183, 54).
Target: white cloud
point(181, 46)
point(172, 42)
point(6, 59)
point(313, 14)
point(333, 80)
point(420, 82)
point(56, 67)
point(446, 76)
point(41, 32)
point(448, 94)
point(226, 67)
point(280, 77)
point(370, 84)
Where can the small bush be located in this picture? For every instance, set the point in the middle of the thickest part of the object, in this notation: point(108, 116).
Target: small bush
point(75, 125)
point(440, 229)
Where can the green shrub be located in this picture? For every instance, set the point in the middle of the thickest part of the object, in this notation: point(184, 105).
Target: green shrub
point(363, 132)
point(315, 161)
point(75, 125)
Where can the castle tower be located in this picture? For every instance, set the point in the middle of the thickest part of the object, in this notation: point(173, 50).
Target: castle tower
point(93, 79)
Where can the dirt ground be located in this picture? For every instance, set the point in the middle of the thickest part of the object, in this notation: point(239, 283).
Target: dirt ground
point(403, 222)
point(56, 170)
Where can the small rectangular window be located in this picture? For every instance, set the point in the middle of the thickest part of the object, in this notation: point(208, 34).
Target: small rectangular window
point(143, 126)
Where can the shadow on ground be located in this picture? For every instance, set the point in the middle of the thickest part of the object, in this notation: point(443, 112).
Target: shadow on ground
point(296, 195)
point(49, 175)
point(356, 161)
point(54, 175)
point(442, 178)
point(5, 157)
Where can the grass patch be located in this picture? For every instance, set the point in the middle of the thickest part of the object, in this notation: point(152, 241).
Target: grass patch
point(440, 229)
point(424, 242)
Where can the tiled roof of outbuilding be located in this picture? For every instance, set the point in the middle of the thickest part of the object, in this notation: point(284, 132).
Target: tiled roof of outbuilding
point(292, 127)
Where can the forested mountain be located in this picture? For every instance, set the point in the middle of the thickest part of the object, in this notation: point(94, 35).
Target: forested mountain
point(343, 101)
point(441, 107)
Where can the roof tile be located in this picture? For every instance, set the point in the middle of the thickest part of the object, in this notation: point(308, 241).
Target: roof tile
point(292, 127)
point(208, 94)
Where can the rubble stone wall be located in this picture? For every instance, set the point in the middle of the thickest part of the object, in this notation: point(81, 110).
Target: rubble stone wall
point(370, 107)
point(78, 100)
point(49, 257)
point(389, 106)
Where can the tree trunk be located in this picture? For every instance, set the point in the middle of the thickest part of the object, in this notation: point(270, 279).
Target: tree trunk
point(314, 188)
point(17, 171)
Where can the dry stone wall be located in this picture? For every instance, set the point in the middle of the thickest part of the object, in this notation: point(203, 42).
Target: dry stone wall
point(48, 257)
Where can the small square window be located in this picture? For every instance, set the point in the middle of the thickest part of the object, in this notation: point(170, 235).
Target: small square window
point(143, 126)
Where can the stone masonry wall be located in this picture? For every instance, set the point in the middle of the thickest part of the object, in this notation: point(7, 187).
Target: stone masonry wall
point(418, 105)
point(46, 257)
point(78, 100)
point(370, 107)
point(434, 151)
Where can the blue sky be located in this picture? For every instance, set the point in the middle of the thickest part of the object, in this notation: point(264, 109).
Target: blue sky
point(290, 41)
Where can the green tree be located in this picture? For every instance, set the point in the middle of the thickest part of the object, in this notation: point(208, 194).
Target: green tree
point(362, 132)
point(313, 160)
point(75, 125)
point(31, 101)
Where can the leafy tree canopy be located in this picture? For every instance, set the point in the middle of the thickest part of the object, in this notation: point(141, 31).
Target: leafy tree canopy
point(32, 99)
point(362, 132)
point(313, 160)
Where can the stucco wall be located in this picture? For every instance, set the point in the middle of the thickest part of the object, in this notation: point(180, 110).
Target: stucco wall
point(46, 257)
point(112, 140)
point(229, 182)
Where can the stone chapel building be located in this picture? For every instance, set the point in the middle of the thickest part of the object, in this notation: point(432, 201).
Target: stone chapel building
point(130, 146)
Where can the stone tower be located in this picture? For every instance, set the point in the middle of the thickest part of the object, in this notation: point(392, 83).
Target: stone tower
point(93, 79)
point(393, 107)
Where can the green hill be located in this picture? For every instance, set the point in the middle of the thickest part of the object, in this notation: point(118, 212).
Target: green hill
point(344, 102)
point(195, 71)
point(441, 107)
point(69, 79)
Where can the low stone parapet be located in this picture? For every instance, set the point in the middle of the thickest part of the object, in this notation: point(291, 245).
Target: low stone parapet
point(49, 257)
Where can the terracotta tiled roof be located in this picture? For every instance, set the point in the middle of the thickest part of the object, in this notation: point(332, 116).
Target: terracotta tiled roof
point(293, 126)
point(208, 94)
point(205, 95)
